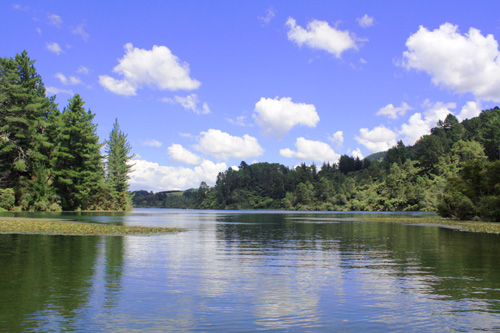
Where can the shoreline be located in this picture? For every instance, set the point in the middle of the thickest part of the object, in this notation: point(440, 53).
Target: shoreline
point(467, 226)
point(46, 226)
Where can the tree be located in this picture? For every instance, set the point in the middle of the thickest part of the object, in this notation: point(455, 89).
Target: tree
point(397, 154)
point(24, 111)
point(118, 167)
point(77, 160)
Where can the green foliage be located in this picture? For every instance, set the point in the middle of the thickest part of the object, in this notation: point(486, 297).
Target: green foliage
point(443, 171)
point(474, 193)
point(7, 198)
point(118, 167)
point(51, 160)
point(77, 162)
point(24, 111)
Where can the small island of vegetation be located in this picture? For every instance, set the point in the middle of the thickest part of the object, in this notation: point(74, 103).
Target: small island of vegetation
point(51, 227)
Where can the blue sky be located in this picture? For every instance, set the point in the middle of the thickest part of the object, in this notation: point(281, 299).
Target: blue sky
point(199, 86)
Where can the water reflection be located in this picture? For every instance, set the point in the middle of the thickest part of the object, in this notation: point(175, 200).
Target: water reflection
point(249, 271)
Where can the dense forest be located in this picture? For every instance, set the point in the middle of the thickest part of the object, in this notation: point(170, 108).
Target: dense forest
point(50, 160)
point(455, 170)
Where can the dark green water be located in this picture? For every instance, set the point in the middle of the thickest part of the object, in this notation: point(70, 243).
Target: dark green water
point(247, 271)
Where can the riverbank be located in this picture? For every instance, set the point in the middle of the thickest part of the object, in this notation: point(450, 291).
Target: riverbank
point(15, 225)
point(469, 226)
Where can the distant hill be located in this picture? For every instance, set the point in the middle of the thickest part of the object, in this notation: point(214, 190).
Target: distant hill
point(376, 157)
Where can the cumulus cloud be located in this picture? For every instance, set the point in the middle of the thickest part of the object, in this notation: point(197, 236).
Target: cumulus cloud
point(378, 139)
point(54, 48)
point(152, 143)
point(189, 102)
point(157, 68)
point(421, 124)
point(357, 154)
point(469, 110)
point(309, 150)
point(66, 81)
point(180, 154)
point(151, 176)
point(392, 112)
point(223, 146)
point(365, 21)
point(276, 116)
point(337, 139)
point(463, 63)
point(320, 35)
point(54, 91)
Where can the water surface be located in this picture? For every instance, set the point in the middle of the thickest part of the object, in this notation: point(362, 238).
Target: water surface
point(247, 271)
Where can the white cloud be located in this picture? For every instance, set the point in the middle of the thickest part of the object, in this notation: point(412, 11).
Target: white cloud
point(152, 143)
point(469, 110)
point(337, 139)
point(157, 67)
point(83, 70)
point(66, 81)
point(378, 139)
point(365, 21)
point(309, 150)
point(270, 13)
point(463, 63)
point(39, 31)
point(320, 35)
point(357, 153)
point(120, 87)
point(276, 116)
point(54, 48)
point(189, 102)
point(80, 31)
point(180, 154)
point(393, 112)
point(55, 20)
point(151, 176)
point(54, 90)
point(221, 145)
point(421, 124)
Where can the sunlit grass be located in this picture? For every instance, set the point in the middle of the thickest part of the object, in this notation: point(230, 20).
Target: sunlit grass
point(472, 226)
point(51, 227)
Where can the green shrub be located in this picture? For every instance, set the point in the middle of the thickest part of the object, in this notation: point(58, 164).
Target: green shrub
point(7, 198)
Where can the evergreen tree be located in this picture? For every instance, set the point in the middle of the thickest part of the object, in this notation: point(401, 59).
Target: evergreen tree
point(24, 147)
point(77, 161)
point(118, 168)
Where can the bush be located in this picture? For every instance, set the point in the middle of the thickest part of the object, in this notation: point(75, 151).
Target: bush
point(7, 198)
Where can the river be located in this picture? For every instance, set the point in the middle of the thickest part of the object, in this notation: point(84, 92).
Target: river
point(247, 271)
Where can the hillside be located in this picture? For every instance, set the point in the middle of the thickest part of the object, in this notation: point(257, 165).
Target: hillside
point(455, 171)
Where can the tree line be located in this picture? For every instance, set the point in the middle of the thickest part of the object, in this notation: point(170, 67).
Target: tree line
point(50, 160)
point(455, 170)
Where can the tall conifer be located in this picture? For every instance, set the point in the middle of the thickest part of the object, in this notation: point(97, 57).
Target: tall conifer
point(77, 158)
point(118, 168)
point(24, 148)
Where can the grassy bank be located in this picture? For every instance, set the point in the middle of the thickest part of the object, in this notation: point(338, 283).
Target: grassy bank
point(65, 227)
point(470, 226)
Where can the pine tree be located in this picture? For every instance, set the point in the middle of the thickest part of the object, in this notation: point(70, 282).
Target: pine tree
point(24, 147)
point(118, 167)
point(78, 169)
